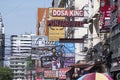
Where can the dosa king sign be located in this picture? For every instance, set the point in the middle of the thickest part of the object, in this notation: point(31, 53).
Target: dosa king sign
point(63, 12)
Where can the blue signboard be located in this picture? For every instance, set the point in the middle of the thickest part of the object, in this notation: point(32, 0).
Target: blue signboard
point(65, 47)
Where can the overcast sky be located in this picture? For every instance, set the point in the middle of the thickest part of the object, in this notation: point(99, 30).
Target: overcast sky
point(20, 16)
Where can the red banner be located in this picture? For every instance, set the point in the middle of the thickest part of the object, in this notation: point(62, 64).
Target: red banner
point(39, 73)
point(118, 11)
point(50, 73)
point(63, 23)
point(63, 12)
point(62, 73)
point(105, 15)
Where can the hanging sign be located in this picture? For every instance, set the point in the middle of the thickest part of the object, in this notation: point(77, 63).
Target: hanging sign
point(63, 12)
point(63, 23)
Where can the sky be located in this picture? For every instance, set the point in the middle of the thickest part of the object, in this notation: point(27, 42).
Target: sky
point(20, 16)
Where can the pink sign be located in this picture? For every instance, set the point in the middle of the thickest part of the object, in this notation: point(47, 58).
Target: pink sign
point(62, 73)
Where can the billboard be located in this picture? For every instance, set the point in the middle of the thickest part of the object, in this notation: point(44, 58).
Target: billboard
point(42, 28)
point(68, 61)
point(28, 73)
point(50, 74)
point(39, 73)
point(64, 23)
point(105, 15)
point(118, 11)
point(64, 62)
point(39, 41)
point(65, 48)
point(64, 12)
point(62, 73)
point(55, 32)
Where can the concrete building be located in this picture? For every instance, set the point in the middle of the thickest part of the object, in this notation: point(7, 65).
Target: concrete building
point(20, 49)
point(114, 55)
point(18, 65)
point(2, 42)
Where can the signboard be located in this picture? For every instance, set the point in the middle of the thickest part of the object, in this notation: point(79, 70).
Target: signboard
point(28, 73)
point(63, 12)
point(62, 73)
point(46, 61)
point(50, 74)
point(64, 23)
point(49, 43)
point(39, 79)
point(42, 28)
point(39, 73)
point(39, 41)
point(66, 47)
point(68, 61)
point(118, 11)
point(55, 32)
point(105, 15)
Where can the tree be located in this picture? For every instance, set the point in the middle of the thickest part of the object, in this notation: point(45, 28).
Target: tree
point(6, 73)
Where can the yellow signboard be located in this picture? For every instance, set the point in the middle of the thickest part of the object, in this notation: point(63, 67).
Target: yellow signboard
point(55, 32)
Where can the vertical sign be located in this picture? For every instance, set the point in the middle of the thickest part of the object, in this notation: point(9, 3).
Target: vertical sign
point(68, 49)
point(105, 15)
point(55, 32)
point(42, 28)
point(62, 73)
point(118, 11)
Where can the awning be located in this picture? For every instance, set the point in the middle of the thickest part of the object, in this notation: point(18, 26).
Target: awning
point(80, 65)
point(117, 68)
point(88, 68)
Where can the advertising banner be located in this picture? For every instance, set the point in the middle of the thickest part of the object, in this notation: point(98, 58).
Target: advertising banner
point(55, 32)
point(64, 12)
point(28, 75)
point(105, 15)
point(62, 73)
point(118, 11)
point(64, 62)
point(64, 23)
point(39, 73)
point(42, 28)
point(39, 41)
point(68, 61)
point(65, 47)
point(46, 62)
point(50, 74)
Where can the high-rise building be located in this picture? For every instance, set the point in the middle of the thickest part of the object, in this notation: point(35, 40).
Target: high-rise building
point(21, 44)
point(113, 59)
point(2, 42)
point(20, 49)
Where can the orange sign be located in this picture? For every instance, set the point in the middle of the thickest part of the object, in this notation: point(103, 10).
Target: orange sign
point(42, 17)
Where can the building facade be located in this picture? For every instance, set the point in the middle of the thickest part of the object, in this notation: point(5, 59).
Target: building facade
point(20, 50)
point(2, 42)
point(90, 29)
point(115, 39)
point(18, 65)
